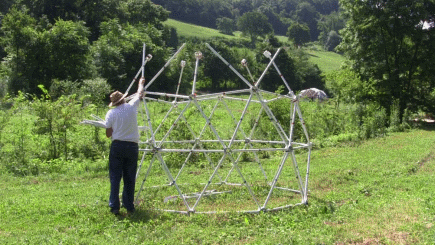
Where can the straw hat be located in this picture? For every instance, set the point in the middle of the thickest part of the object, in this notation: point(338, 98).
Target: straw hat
point(116, 98)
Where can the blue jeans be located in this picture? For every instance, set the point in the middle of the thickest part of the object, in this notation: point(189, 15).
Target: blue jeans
point(122, 164)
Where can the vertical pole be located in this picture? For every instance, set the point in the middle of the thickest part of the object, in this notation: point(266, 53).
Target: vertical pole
point(183, 64)
point(198, 56)
point(143, 60)
point(307, 175)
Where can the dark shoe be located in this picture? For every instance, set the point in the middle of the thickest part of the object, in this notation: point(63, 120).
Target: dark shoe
point(130, 212)
point(115, 211)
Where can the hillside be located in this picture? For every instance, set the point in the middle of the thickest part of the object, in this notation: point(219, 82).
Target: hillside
point(326, 60)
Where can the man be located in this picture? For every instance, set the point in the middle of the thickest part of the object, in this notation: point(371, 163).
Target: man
point(121, 123)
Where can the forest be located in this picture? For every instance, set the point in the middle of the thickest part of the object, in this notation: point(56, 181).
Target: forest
point(45, 42)
point(280, 13)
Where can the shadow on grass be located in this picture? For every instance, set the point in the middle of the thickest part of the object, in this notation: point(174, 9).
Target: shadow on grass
point(141, 216)
point(428, 126)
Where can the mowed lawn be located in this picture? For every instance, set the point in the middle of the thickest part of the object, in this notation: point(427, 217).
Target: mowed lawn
point(376, 192)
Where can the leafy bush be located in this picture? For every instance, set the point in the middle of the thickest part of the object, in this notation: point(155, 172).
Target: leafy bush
point(37, 135)
point(327, 123)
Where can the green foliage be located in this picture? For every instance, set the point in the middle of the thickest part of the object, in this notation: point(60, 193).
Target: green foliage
point(194, 32)
point(391, 51)
point(18, 36)
point(327, 23)
point(328, 124)
point(35, 132)
point(53, 40)
point(140, 11)
point(254, 25)
point(18, 143)
point(173, 37)
point(38, 54)
point(97, 88)
point(67, 47)
point(346, 86)
point(55, 119)
point(212, 68)
point(204, 13)
point(225, 25)
point(298, 33)
point(307, 74)
point(332, 41)
point(5, 116)
point(307, 13)
point(115, 53)
point(280, 12)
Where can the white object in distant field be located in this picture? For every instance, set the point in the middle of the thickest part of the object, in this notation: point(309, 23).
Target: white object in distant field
point(313, 93)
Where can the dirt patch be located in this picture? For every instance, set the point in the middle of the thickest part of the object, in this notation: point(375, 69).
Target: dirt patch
point(426, 159)
point(399, 237)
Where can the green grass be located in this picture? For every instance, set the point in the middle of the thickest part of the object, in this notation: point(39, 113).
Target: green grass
point(377, 192)
point(327, 61)
point(195, 31)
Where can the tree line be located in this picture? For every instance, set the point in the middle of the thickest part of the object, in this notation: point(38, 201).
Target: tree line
point(48, 42)
point(389, 45)
point(45, 41)
point(318, 17)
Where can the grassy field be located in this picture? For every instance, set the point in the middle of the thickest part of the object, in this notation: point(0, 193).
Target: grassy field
point(375, 192)
point(190, 30)
point(326, 61)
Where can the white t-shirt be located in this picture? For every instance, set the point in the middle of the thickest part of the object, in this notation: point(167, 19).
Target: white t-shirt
point(123, 120)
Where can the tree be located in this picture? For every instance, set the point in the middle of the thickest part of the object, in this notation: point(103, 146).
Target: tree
point(345, 85)
point(213, 66)
point(37, 55)
point(254, 25)
point(116, 51)
point(225, 25)
point(298, 33)
point(19, 36)
point(211, 10)
point(332, 41)
point(68, 50)
point(390, 49)
point(327, 23)
point(306, 13)
point(141, 11)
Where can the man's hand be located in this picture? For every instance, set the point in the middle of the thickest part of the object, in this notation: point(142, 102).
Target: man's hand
point(142, 81)
point(109, 132)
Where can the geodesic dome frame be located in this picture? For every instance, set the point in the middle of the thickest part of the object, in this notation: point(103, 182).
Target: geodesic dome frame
point(222, 147)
